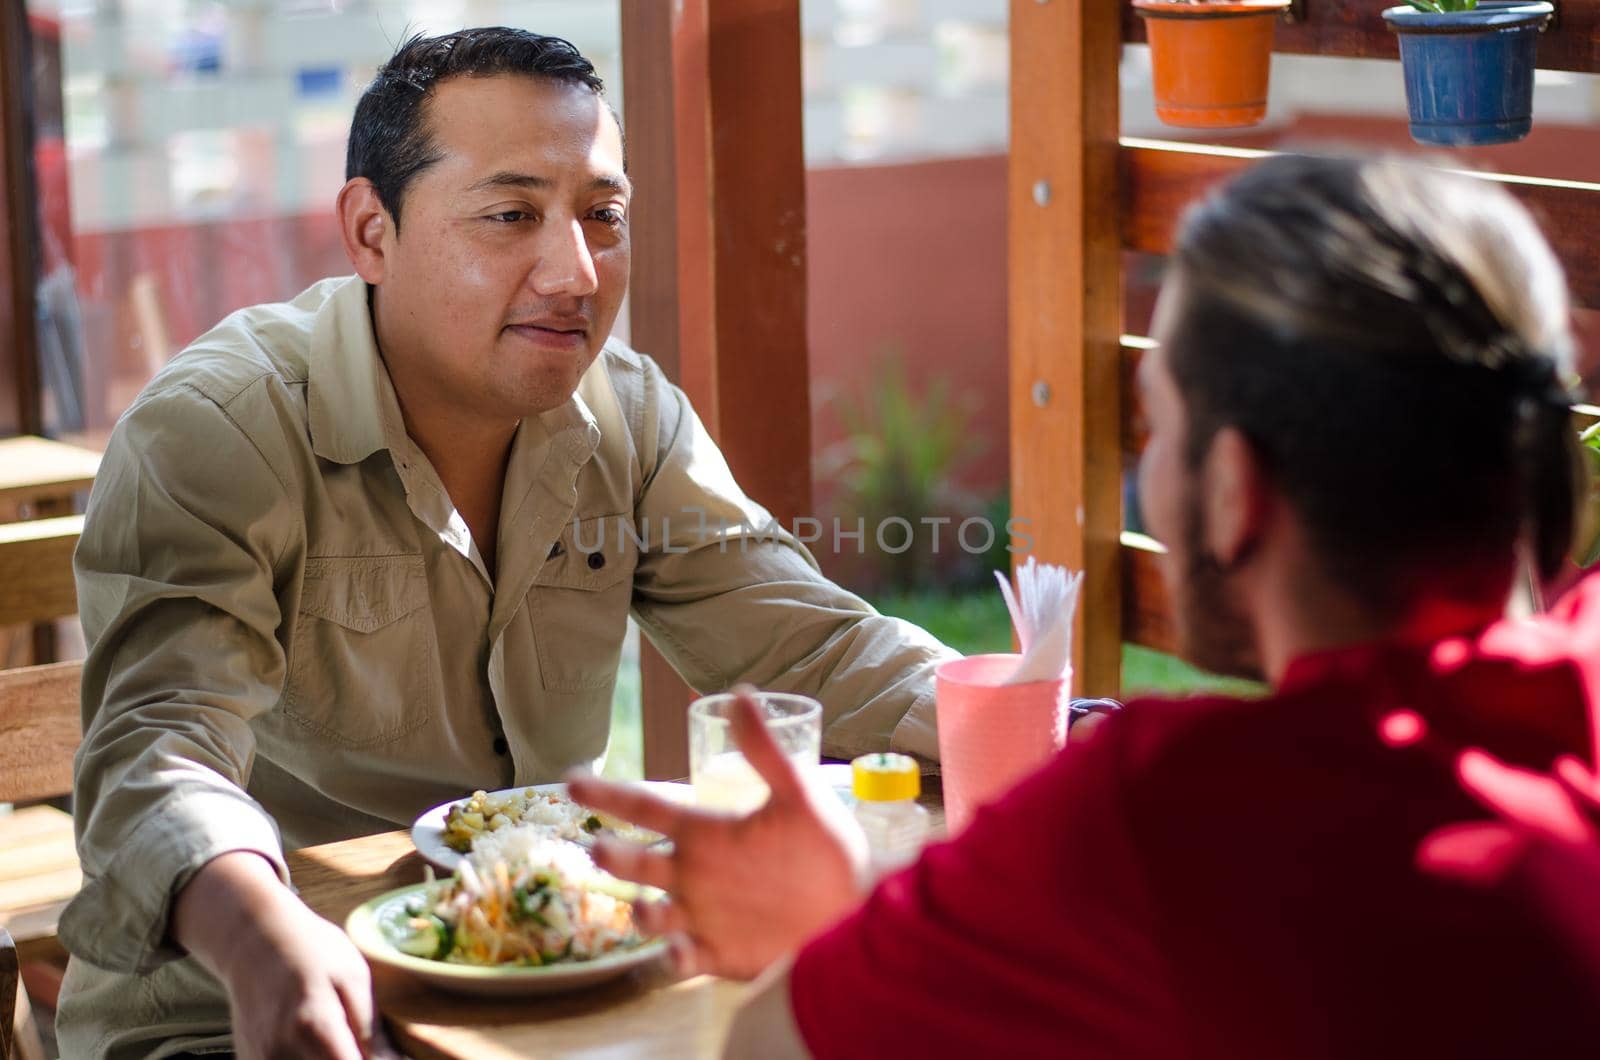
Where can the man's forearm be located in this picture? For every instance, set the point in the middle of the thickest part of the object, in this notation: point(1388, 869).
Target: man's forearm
point(232, 896)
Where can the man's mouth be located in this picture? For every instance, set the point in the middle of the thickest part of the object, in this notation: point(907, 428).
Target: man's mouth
point(563, 335)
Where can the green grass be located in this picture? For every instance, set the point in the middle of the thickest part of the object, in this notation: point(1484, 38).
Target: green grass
point(975, 623)
point(625, 755)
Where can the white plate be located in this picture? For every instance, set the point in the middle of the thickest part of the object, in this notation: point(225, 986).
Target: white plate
point(365, 928)
point(427, 834)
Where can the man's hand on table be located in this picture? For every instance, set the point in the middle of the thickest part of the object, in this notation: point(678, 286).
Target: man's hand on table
point(743, 892)
point(297, 986)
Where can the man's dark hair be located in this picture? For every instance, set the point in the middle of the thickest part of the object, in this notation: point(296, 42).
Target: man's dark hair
point(389, 141)
point(1391, 340)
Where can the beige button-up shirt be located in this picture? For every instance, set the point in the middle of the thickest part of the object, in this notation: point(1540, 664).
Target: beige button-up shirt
point(292, 638)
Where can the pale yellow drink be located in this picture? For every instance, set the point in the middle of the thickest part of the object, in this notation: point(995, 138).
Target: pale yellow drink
point(728, 782)
point(723, 779)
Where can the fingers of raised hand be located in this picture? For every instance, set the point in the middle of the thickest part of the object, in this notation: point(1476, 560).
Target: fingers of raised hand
point(685, 955)
point(628, 803)
point(660, 917)
point(634, 862)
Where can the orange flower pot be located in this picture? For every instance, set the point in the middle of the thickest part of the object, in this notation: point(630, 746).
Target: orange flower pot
point(1211, 59)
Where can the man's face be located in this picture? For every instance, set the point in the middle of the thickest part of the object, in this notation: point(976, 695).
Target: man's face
point(512, 257)
point(1213, 631)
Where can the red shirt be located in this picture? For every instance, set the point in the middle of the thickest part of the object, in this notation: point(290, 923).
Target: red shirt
point(1230, 878)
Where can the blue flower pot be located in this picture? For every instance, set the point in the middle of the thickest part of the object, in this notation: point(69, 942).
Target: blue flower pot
point(1469, 74)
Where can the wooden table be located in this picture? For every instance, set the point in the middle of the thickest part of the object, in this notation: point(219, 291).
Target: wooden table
point(36, 469)
point(643, 1014)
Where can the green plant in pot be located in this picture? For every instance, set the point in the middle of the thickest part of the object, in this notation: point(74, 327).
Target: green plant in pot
point(1468, 67)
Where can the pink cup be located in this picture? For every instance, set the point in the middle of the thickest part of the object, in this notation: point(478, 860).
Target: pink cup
point(992, 735)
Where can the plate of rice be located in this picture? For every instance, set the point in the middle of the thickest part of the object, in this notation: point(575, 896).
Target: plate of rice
point(446, 833)
point(524, 913)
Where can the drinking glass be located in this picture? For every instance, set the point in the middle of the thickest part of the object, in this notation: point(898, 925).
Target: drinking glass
point(723, 779)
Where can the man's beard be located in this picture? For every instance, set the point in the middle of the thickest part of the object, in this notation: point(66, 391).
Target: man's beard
point(1213, 632)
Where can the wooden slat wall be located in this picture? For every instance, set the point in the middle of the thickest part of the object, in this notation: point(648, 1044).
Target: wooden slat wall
point(1355, 29)
point(1160, 178)
point(1146, 613)
point(1065, 309)
point(719, 287)
point(1135, 429)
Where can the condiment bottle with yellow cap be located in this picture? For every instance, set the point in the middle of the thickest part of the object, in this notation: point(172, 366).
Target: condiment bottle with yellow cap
point(886, 788)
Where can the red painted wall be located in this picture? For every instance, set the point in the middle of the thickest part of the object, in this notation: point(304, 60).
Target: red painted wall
point(910, 261)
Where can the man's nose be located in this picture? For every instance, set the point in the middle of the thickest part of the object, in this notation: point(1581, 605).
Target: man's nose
point(564, 265)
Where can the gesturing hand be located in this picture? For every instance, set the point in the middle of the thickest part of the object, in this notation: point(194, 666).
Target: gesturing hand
point(742, 892)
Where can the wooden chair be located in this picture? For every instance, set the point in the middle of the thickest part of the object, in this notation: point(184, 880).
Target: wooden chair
point(39, 733)
point(36, 583)
point(19, 1037)
point(39, 873)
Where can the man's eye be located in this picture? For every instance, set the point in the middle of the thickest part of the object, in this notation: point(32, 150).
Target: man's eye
point(509, 216)
point(607, 216)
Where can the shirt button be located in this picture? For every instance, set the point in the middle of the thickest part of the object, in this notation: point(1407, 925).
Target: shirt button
point(500, 745)
point(597, 560)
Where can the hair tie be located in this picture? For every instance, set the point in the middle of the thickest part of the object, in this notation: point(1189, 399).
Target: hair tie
point(1531, 373)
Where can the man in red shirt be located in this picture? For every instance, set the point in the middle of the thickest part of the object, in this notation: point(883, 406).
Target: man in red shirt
point(1357, 430)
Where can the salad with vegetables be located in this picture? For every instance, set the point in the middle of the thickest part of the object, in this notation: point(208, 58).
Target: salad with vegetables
point(521, 898)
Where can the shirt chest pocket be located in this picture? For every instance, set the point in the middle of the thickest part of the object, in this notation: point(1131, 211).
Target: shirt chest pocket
point(579, 603)
point(363, 661)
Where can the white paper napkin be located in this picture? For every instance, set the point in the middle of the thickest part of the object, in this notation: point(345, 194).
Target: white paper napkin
point(1042, 610)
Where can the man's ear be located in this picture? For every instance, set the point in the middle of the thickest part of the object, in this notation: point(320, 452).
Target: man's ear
point(1236, 497)
point(365, 227)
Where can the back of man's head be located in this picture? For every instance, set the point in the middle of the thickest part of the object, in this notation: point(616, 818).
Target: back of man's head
point(1391, 340)
point(389, 140)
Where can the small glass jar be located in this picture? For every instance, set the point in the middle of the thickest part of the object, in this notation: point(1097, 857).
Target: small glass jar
point(886, 788)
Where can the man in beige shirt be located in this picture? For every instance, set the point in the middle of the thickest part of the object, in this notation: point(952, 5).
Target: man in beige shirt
point(359, 553)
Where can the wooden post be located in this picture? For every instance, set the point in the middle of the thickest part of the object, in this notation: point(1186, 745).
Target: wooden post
point(713, 110)
point(1065, 309)
point(18, 219)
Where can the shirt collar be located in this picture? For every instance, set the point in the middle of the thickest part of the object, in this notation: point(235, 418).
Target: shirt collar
point(349, 398)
